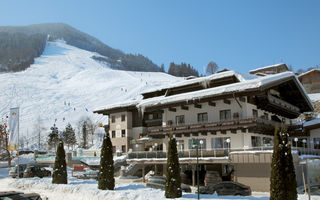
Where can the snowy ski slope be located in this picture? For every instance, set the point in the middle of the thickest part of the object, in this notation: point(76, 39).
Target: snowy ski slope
point(66, 84)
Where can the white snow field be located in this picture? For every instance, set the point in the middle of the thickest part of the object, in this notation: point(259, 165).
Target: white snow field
point(87, 190)
point(65, 83)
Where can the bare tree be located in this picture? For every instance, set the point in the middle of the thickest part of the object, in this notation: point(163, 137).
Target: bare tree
point(39, 128)
point(85, 128)
point(212, 67)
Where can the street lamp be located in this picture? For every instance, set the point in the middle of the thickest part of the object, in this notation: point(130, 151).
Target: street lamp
point(194, 144)
point(304, 144)
point(156, 145)
point(296, 140)
point(228, 142)
point(201, 143)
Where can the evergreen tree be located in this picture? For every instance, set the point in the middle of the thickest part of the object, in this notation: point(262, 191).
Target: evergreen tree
point(60, 175)
point(69, 136)
point(106, 172)
point(283, 179)
point(173, 179)
point(291, 186)
point(84, 135)
point(53, 137)
point(162, 68)
point(277, 179)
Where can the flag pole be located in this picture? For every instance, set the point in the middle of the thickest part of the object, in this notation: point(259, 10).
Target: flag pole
point(18, 141)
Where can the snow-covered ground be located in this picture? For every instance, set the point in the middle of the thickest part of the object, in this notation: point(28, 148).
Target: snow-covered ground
point(65, 83)
point(126, 189)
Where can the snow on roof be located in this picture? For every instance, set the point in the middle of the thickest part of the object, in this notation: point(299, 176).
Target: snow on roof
point(235, 87)
point(309, 72)
point(118, 105)
point(95, 161)
point(314, 96)
point(267, 67)
point(312, 122)
point(200, 80)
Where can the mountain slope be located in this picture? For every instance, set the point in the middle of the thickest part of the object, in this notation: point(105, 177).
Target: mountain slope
point(65, 83)
point(12, 39)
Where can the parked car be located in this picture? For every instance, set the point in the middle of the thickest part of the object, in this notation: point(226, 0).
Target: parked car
point(160, 181)
point(315, 190)
point(227, 188)
point(35, 171)
point(12, 195)
point(212, 178)
point(89, 175)
point(17, 171)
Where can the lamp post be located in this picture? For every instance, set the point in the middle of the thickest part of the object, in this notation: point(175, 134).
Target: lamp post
point(201, 143)
point(228, 142)
point(296, 140)
point(194, 144)
point(304, 144)
point(156, 147)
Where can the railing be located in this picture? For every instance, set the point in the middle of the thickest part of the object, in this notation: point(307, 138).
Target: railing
point(212, 125)
point(202, 153)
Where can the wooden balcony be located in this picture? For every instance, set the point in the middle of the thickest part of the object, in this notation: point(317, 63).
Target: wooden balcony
point(258, 125)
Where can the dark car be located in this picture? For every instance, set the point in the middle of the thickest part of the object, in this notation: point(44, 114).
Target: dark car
point(160, 181)
point(12, 195)
point(212, 178)
point(35, 171)
point(227, 188)
point(89, 175)
point(17, 171)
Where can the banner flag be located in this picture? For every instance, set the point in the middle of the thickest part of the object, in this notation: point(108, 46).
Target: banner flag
point(13, 127)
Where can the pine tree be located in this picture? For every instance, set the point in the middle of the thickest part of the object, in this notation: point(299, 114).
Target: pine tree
point(162, 68)
point(277, 179)
point(106, 172)
point(69, 136)
point(53, 137)
point(291, 183)
point(84, 135)
point(173, 178)
point(60, 175)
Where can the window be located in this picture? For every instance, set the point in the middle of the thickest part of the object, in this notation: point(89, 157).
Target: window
point(179, 119)
point(236, 115)
point(123, 148)
point(225, 114)
point(180, 145)
point(316, 143)
point(254, 113)
point(265, 116)
point(150, 116)
point(220, 143)
point(113, 119)
point(255, 141)
point(113, 134)
point(202, 117)
point(157, 116)
point(197, 142)
point(302, 142)
point(267, 142)
point(123, 118)
point(123, 133)
point(113, 149)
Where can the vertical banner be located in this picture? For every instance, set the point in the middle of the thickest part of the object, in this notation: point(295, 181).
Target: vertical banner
point(13, 127)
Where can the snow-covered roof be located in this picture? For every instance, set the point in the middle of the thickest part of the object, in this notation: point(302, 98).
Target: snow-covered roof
point(312, 122)
point(309, 72)
point(225, 89)
point(124, 104)
point(314, 96)
point(267, 67)
point(201, 80)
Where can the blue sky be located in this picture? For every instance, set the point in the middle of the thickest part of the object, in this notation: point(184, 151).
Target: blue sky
point(240, 35)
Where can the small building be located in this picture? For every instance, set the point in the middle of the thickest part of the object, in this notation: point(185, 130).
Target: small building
point(272, 69)
point(311, 81)
point(229, 118)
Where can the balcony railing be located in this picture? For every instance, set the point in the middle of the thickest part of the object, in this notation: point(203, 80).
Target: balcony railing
point(219, 125)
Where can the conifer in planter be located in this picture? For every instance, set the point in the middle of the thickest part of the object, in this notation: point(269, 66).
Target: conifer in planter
point(173, 178)
point(60, 175)
point(106, 171)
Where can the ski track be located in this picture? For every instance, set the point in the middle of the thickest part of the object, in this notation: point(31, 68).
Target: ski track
point(67, 74)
